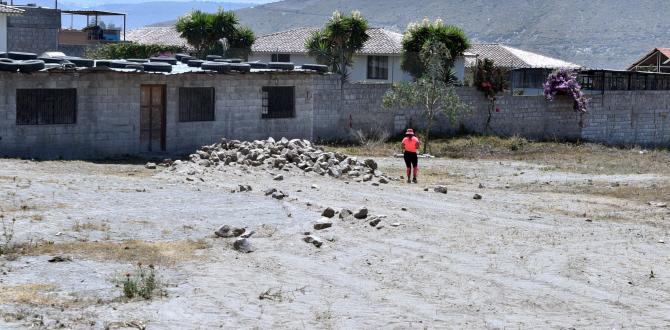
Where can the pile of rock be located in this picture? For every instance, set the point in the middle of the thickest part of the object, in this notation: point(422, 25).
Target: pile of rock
point(286, 155)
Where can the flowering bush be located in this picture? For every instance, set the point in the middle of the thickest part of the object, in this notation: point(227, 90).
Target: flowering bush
point(564, 81)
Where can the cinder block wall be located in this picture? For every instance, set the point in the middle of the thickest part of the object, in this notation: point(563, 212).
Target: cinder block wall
point(36, 31)
point(617, 117)
point(108, 113)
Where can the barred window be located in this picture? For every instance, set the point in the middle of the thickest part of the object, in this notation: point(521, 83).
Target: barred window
point(44, 106)
point(281, 58)
point(196, 104)
point(378, 67)
point(278, 102)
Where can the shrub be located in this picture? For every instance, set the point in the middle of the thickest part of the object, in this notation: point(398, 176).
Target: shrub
point(131, 50)
point(564, 81)
point(6, 243)
point(141, 283)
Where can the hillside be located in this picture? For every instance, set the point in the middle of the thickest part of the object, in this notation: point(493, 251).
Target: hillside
point(145, 13)
point(596, 33)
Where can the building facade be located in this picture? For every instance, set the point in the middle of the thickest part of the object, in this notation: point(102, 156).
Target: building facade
point(5, 12)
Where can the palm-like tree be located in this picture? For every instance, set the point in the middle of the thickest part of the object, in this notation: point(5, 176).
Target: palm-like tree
point(204, 30)
point(336, 44)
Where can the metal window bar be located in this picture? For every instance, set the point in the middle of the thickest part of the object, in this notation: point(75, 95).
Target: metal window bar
point(46, 106)
point(278, 102)
point(196, 104)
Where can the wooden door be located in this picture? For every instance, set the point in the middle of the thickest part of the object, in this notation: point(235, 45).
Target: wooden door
point(152, 117)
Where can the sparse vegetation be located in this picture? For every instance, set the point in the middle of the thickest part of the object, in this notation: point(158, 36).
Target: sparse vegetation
point(131, 50)
point(7, 244)
point(142, 282)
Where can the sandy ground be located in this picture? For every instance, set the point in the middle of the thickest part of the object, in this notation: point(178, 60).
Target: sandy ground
point(524, 256)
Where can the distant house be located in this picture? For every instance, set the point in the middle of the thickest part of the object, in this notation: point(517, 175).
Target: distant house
point(528, 70)
point(158, 35)
point(4, 12)
point(657, 60)
point(378, 61)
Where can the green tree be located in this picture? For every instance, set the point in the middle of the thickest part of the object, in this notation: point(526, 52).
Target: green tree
point(430, 93)
point(203, 31)
point(416, 36)
point(338, 41)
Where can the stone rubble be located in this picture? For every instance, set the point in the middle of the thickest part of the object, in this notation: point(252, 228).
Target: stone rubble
point(287, 155)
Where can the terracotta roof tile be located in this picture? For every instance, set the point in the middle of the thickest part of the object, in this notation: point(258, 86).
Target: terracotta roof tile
point(511, 57)
point(160, 35)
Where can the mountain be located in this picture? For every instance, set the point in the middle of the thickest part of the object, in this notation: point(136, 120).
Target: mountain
point(595, 33)
point(142, 13)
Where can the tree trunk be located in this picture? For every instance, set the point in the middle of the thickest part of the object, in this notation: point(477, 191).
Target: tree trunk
point(492, 105)
point(426, 134)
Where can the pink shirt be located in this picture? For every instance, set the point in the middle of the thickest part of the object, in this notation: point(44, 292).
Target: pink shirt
point(411, 144)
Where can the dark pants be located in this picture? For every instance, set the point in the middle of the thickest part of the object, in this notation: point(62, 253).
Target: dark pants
point(411, 159)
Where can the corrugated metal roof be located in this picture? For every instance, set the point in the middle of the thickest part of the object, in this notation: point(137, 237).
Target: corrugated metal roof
point(381, 42)
point(9, 10)
point(511, 57)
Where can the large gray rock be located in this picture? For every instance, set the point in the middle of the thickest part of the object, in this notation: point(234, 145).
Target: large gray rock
point(370, 163)
point(440, 189)
point(323, 224)
point(328, 213)
point(345, 213)
point(361, 214)
point(243, 245)
point(314, 240)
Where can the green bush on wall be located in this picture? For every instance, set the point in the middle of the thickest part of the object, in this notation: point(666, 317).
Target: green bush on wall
point(131, 50)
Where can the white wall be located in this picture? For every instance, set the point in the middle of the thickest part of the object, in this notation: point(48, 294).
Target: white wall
point(3, 33)
point(359, 71)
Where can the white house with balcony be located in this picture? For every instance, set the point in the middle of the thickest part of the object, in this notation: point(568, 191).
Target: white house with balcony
point(4, 12)
point(377, 62)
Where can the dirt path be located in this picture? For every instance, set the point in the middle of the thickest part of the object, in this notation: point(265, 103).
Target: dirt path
point(522, 257)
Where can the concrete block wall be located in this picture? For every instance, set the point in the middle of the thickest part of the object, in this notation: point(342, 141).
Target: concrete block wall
point(36, 31)
point(616, 118)
point(108, 118)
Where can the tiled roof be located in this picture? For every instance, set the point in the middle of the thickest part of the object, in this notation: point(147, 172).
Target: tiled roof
point(9, 10)
point(381, 42)
point(161, 35)
point(664, 51)
point(511, 57)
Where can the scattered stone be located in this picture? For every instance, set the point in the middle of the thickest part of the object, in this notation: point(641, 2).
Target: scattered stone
point(376, 184)
point(315, 187)
point(658, 204)
point(278, 177)
point(440, 189)
point(361, 214)
point(60, 259)
point(323, 224)
point(375, 222)
point(151, 166)
point(314, 240)
point(395, 224)
point(345, 213)
point(588, 220)
point(237, 232)
point(367, 177)
point(481, 186)
point(383, 181)
point(223, 231)
point(661, 241)
point(370, 163)
point(403, 208)
point(328, 213)
point(243, 188)
point(278, 195)
point(270, 191)
point(243, 245)
point(477, 197)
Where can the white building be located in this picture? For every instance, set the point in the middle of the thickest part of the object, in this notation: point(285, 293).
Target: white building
point(4, 12)
point(378, 61)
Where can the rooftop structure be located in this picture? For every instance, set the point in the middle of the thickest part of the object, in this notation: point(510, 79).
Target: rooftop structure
point(657, 60)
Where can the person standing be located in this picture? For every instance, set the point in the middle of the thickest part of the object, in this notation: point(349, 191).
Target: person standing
point(410, 146)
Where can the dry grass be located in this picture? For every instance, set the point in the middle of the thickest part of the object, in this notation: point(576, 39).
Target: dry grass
point(156, 253)
point(657, 192)
point(584, 158)
point(30, 294)
point(90, 226)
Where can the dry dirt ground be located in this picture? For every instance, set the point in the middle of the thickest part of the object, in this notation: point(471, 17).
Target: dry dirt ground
point(545, 248)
